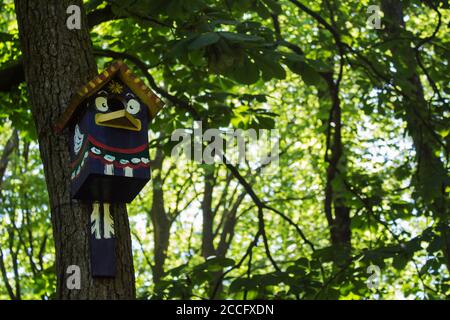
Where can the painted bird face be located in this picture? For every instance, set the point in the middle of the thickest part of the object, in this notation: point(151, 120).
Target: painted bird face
point(117, 117)
point(117, 107)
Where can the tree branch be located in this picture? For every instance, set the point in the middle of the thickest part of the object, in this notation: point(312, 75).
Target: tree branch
point(187, 107)
point(13, 75)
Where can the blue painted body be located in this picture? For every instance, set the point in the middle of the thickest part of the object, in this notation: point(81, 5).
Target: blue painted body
point(93, 182)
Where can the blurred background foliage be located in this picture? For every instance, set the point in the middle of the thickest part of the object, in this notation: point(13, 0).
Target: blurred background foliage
point(363, 119)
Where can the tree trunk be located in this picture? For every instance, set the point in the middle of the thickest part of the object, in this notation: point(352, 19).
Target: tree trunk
point(432, 176)
point(57, 61)
point(336, 211)
point(208, 218)
point(160, 220)
point(11, 145)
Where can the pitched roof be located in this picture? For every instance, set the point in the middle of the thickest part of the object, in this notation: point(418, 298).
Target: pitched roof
point(119, 68)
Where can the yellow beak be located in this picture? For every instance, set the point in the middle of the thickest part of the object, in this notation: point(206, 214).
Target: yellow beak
point(118, 119)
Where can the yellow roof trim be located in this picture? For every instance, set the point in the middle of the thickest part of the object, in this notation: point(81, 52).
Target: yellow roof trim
point(147, 96)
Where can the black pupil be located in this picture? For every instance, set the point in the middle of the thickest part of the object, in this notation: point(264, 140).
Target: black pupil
point(115, 104)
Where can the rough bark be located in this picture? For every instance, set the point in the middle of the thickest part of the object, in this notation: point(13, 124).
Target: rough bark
point(432, 177)
point(57, 61)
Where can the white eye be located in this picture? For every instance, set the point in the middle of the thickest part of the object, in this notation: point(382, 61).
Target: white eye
point(101, 103)
point(133, 106)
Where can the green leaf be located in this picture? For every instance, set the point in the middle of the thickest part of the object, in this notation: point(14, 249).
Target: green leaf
point(6, 37)
point(293, 57)
point(263, 122)
point(274, 6)
point(269, 65)
point(435, 244)
point(400, 261)
point(332, 253)
point(241, 284)
point(240, 37)
point(204, 40)
point(215, 264)
point(180, 48)
point(92, 4)
point(262, 10)
point(178, 270)
point(247, 73)
point(309, 75)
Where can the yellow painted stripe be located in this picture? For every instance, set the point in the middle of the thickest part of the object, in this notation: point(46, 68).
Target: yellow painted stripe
point(106, 73)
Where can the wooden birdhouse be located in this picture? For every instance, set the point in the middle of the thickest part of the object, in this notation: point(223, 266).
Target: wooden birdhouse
point(108, 123)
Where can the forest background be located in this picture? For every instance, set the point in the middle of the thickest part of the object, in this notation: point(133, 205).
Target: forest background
point(357, 206)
